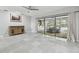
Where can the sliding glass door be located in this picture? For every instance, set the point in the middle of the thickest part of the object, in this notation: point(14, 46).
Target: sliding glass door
point(56, 26)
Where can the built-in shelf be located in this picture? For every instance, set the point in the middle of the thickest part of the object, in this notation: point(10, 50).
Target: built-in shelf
point(16, 30)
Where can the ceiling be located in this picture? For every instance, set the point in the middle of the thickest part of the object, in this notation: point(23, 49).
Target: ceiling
point(47, 9)
point(43, 10)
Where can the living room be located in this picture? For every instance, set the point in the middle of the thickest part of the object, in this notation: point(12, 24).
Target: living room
point(37, 28)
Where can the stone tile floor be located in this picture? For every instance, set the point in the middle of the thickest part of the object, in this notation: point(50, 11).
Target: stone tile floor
point(36, 43)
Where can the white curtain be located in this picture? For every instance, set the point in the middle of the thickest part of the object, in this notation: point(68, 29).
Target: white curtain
point(73, 27)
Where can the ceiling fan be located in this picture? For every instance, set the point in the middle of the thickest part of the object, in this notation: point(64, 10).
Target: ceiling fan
point(31, 8)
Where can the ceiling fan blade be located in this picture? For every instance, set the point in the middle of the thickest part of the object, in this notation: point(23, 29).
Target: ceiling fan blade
point(30, 8)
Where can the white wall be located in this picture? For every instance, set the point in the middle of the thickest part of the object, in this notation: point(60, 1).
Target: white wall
point(5, 23)
point(27, 23)
point(33, 24)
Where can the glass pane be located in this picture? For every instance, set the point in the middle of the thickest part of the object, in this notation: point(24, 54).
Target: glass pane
point(61, 26)
point(49, 26)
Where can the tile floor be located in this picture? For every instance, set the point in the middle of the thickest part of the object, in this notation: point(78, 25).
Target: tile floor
point(36, 43)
